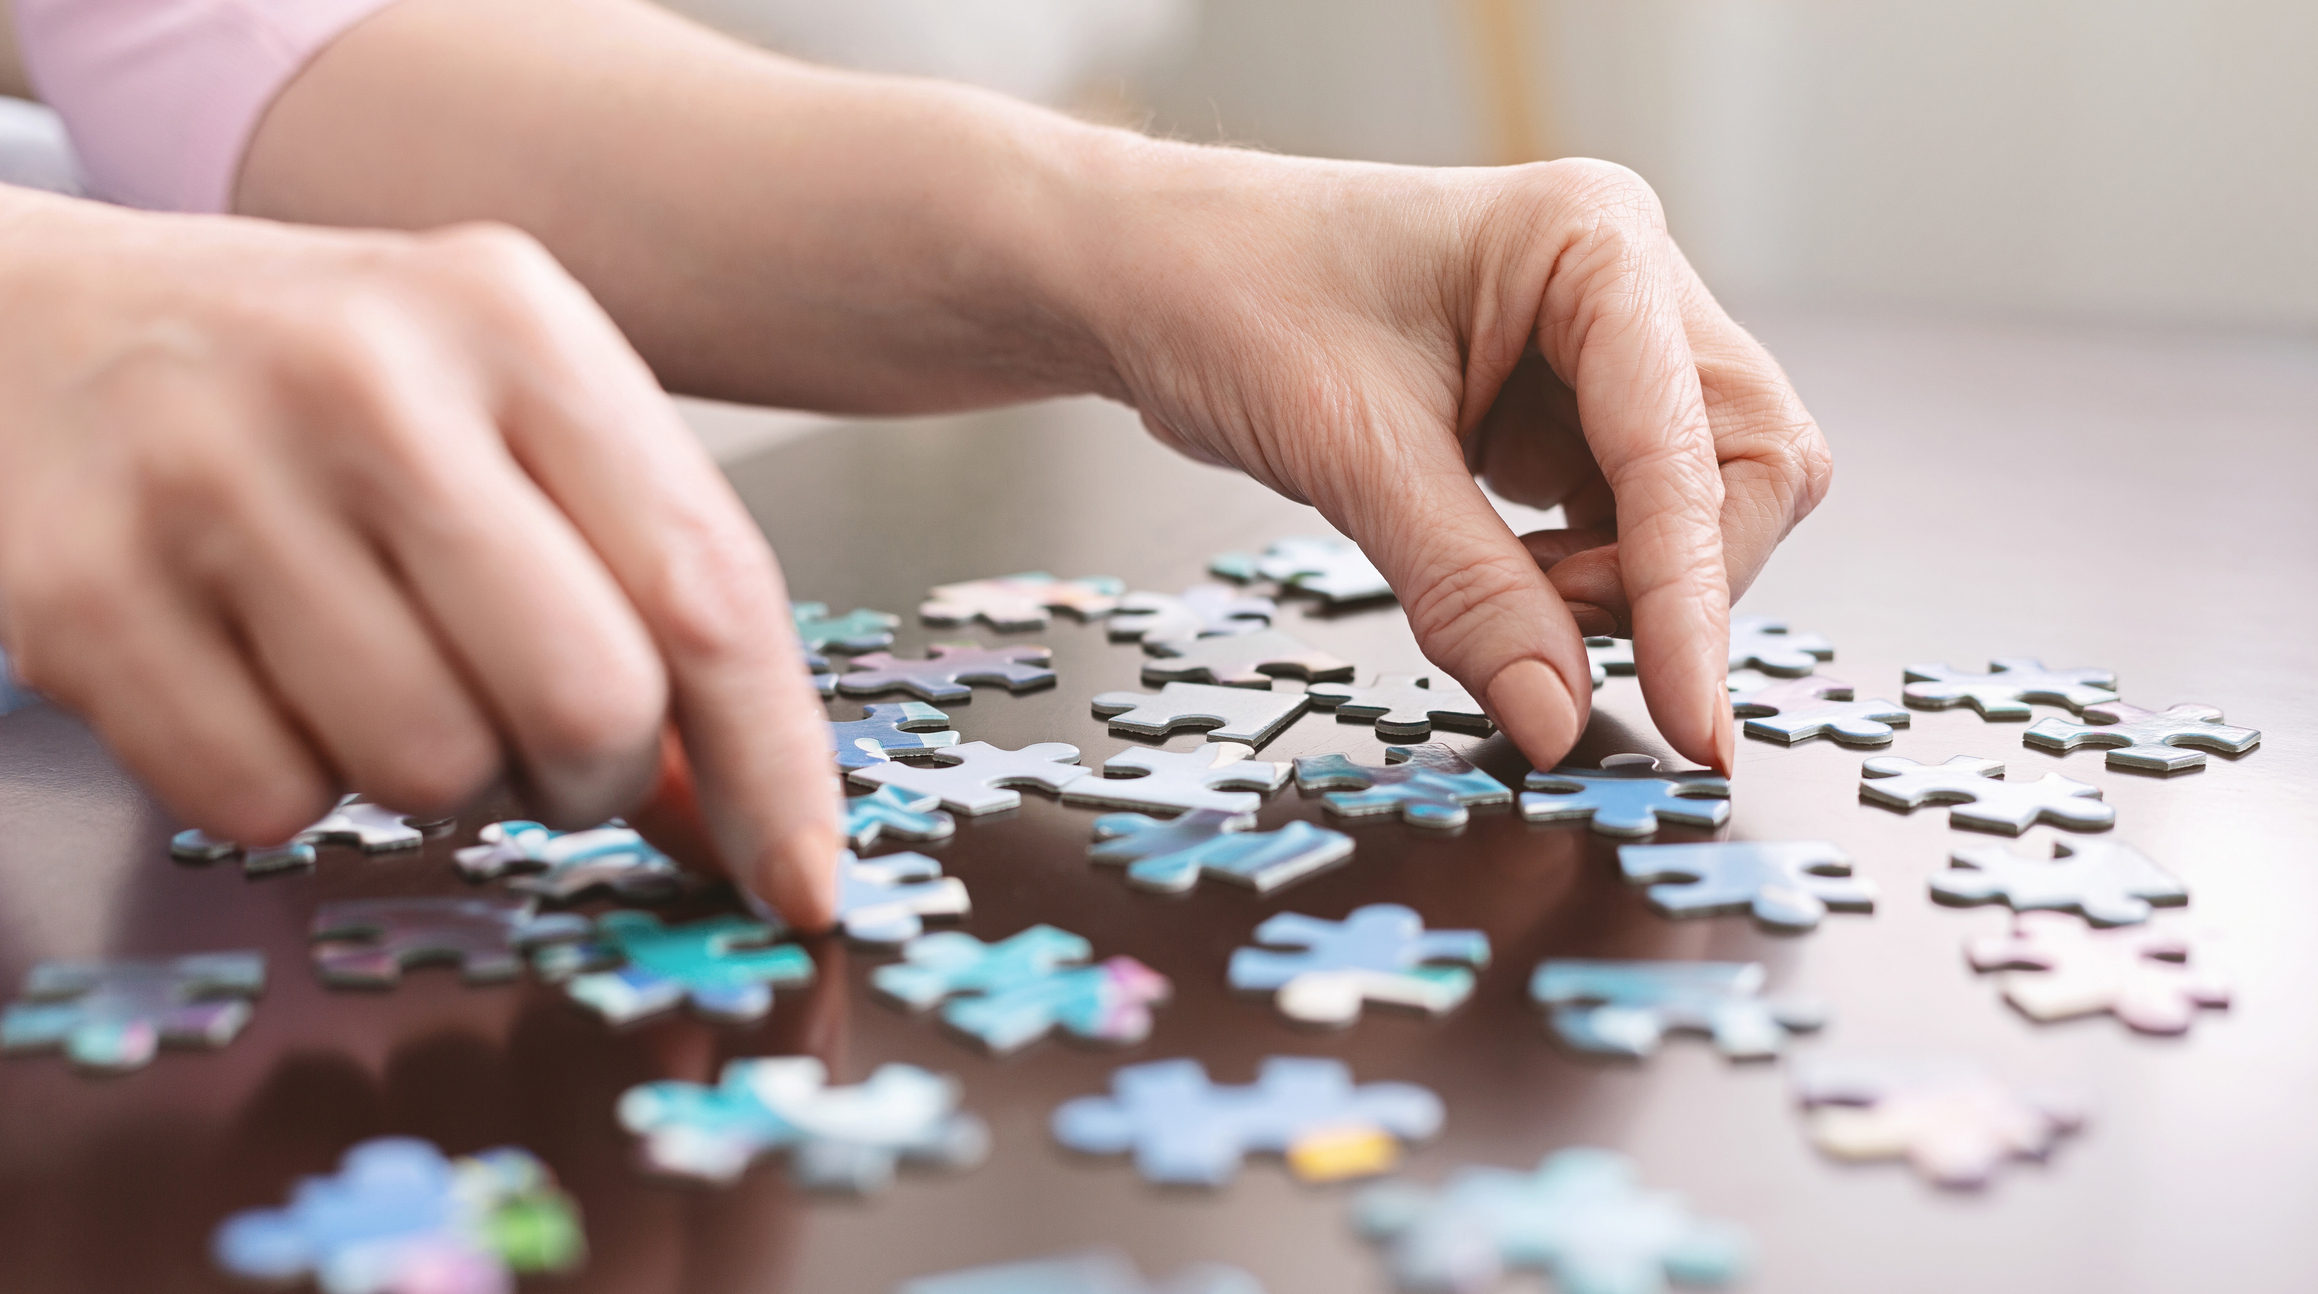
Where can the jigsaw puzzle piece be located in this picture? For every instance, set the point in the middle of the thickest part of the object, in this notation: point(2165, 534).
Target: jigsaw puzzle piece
point(1201, 611)
point(885, 900)
point(978, 777)
point(726, 967)
point(1170, 857)
point(2151, 741)
point(1404, 707)
point(947, 670)
point(369, 943)
point(1011, 993)
point(1012, 602)
point(354, 822)
point(1335, 569)
point(196, 846)
point(1953, 1123)
point(910, 815)
point(1246, 660)
point(1983, 800)
point(859, 630)
point(1626, 1008)
point(2108, 883)
point(2057, 969)
point(111, 1016)
point(1429, 785)
point(889, 732)
point(1096, 1272)
point(1380, 953)
point(1217, 775)
point(1760, 642)
point(1792, 710)
point(1785, 884)
point(1241, 714)
point(1609, 656)
point(2003, 693)
point(1626, 796)
point(563, 865)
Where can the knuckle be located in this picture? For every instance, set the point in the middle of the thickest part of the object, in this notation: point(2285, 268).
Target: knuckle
point(1606, 188)
point(496, 258)
point(713, 595)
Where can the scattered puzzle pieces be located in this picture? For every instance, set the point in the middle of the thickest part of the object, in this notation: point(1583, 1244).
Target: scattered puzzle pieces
point(1021, 601)
point(1096, 1272)
point(2003, 693)
point(1014, 992)
point(1201, 611)
point(859, 630)
point(885, 900)
point(1217, 775)
point(1786, 884)
point(354, 822)
point(1626, 1008)
point(2110, 884)
point(725, 966)
point(1984, 800)
point(1335, 569)
point(111, 1016)
point(1609, 656)
point(1955, 1124)
point(2056, 969)
point(1626, 796)
point(2149, 740)
point(1792, 710)
point(1428, 785)
point(563, 865)
point(399, 1218)
point(1169, 857)
point(369, 943)
point(1185, 1130)
point(888, 732)
point(1241, 714)
point(837, 1138)
point(1380, 953)
point(947, 670)
point(1404, 707)
point(1582, 1215)
point(911, 815)
point(976, 778)
point(1246, 660)
point(1760, 642)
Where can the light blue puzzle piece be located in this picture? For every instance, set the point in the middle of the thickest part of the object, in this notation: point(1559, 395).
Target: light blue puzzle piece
point(1790, 884)
point(1582, 1216)
point(1170, 857)
point(1381, 953)
point(723, 966)
point(563, 865)
point(111, 1016)
point(885, 900)
point(890, 731)
point(907, 814)
point(1429, 785)
point(1625, 1008)
point(859, 630)
point(1627, 796)
point(1096, 1272)
point(1014, 992)
point(1760, 642)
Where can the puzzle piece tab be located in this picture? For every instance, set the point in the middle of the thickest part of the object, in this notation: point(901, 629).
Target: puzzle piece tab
point(1626, 1008)
point(1380, 953)
point(1626, 796)
point(369, 943)
point(2057, 969)
point(886, 899)
point(1012, 602)
point(1185, 1130)
point(1760, 642)
point(1169, 857)
point(2149, 740)
point(947, 670)
point(1011, 993)
point(354, 822)
point(859, 630)
point(910, 815)
point(837, 1138)
point(977, 777)
point(1787, 884)
point(563, 865)
point(1096, 1272)
point(727, 967)
point(1217, 775)
point(1241, 714)
point(1246, 660)
point(1333, 568)
point(111, 1016)
point(1404, 707)
point(1201, 611)
point(1984, 800)
point(1953, 1123)
point(2110, 884)
point(888, 732)
point(1428, 785)
point(2003, 693)
point(1792, 710)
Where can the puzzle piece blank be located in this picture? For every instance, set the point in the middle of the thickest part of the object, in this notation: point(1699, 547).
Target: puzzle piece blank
point(1201, 611)
point(1788, 884)
point(1626, 796)
point(1335, 569)
point(974, 778)
point(1380, 953)
point(1760, 642)
point(1095, 1272)
point(2150, 740)
point(1404, 707)
point(1016, 991)
point(885, 900)
point(1626, 1008)
point(1169, 857)
point(1217, 775)
point(1428, 785)
point(1582, 1215)
point(725, 966)
point(2057, 969)
point(888, 732)
point(1983, 800)
point(369, 943)
point(837, 1138)
point(1609, 656)
point(1020, 601)
point(911, 815)
point(947, 669)
point(1240, 714)
point(2003, 693)
point(2111, 884)
point(857, 631)
point(1185, 1130)
point(1954, 1124)
point(563, 865)
point(354, 822)
point(1246, 660)
point(1792, 710)
point(112, 1016)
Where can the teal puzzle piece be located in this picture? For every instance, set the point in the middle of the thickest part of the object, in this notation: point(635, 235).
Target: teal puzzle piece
point(1016, 991)
point(1170, 857)
point(726, 967)
point(907, 814)
point(1627, 796)
point(1625, 1008)
point(111, 1016)
point(1429, 785)
point(859, 630)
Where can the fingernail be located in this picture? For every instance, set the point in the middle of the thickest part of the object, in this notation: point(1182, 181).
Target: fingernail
point(1593, 622)
point(1535, 708)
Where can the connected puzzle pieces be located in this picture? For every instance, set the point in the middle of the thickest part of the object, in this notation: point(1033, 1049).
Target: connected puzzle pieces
point(2055, 968)
point(368, 943)
point(1243, 714)
point(1020, 601)
point(1955, 1124)
point(1201, 611)
point(2109, 883)
point(563, 865)
point(886, 899)
point(2153, 741)
point(353, 822)
point(1626, 1008)
point(1185, 1130)
point(910, 815)
point(1785, 884)
point(1983, 800)
point(1760, 642)
point(1170, 857)
point(1245, 660)
point(1380, 953)
point(837, 1138)
point(1217, 775)
point(111, 1016)
point(399, 1218)
point(1428, 785)
point(1404, 707)
point(908, 730)
point(1095, 1272)
point(947, 670)
point(978, 777)
point(2003, 693)
point(1792, 710)
point(727, 967)
point(1011, 993)
point(1583, 1215)
point(1626, 796)
point(1335, 569)
point(859, 630)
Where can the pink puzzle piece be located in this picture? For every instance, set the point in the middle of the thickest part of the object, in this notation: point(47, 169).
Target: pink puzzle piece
point(2056, 968)
point(1953, 1123)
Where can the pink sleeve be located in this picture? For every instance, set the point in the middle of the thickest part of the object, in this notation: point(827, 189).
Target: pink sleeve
point(161, 96)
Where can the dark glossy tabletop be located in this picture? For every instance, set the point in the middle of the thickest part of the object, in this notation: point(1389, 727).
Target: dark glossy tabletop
point(2134, 502)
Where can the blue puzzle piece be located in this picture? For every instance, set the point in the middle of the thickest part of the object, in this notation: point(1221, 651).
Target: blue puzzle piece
point(1790, 884)
point(1428, 785)
point(112, 1016)
point(907, 814)
point(1014, 992)
point(1760, 642)
point(1096, 1272)
point(1627, 796)
point(859, 630)
point(890, 731)
point(1170, 857)
point(1625, 1008)
point(1380, 953)
point(726, 967)
point(563, 865)
point(886, 899)
point(1583, 1216)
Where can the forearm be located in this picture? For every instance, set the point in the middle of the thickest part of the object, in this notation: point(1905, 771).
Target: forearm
point(762, 230)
